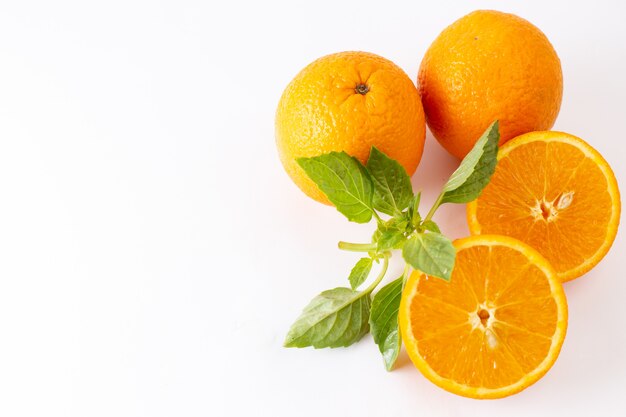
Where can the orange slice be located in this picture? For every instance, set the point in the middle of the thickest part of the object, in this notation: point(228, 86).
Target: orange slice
point(556, 193)
point(495, 328)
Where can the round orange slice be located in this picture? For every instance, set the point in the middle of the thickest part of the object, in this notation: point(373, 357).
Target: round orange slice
point(556, 193)
point(495, 328)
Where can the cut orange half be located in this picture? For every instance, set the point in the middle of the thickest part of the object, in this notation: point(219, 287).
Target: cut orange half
point(495, 328)
point(556, 193)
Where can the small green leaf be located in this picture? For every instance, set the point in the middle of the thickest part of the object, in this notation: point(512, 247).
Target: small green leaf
point(413, 212)
point(376, 235)
point(360, 272)
point(345, 181)
point(395, 224)
point(384, 321)
point(337, 317)
point(401, 222)
point(476, 169)
point(431, 226)
point(392, 185)
point(390, 239)
point(431, 253)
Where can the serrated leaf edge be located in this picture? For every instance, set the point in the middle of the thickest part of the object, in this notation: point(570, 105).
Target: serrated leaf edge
point(446, 276)
point(468, 165)
point(359, 296)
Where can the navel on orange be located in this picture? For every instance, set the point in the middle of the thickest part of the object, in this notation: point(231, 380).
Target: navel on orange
point(349, 101)
point(556, 193)
point(495, 328)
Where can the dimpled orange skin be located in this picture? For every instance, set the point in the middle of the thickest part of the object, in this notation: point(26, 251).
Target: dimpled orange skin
point(321, 111)
point(489, 66)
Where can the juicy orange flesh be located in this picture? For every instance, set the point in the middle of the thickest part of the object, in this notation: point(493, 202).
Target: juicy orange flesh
point(568, 193)
point(517, 336)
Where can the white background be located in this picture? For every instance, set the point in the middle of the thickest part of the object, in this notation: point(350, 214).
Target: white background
point(153, 253)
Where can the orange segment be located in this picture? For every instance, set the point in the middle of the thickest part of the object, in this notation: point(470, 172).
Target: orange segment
point(556, 193)
point(495, 328)
point(528, 349)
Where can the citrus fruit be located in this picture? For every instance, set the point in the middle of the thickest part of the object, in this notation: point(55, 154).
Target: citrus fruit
point(495, 328)
point(349, 101)
point(489, 66)
point(556, 193)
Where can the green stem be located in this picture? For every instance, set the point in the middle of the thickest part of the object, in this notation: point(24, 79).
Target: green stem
point(434, 208)
point(378, 219)
point(380, 276)
point(357, 247)
point(405, 274)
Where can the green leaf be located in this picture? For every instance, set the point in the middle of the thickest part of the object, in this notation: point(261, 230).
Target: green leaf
point(337, 317)
point(390, 239)
point(413, 212)
point(345, 181)
point(401, 222)
point(384, 321)
point(360, 272)
point(376, 235)
point(431, 253)
point(392, 185)
point(431, 226)
point(396, 224)
point(476, 169)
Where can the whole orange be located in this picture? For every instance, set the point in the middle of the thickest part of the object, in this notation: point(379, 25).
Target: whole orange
point(489, 66)
point(349, 101)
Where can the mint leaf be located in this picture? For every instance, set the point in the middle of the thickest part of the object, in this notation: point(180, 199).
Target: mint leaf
point(400, 222)
point(390, 239)
point(394, 225)
point(337, 317)
point(431, 226)
point(384, 321)
point(431, 253)
point(376, 235)
point(359, 273)
point(413, 211)
point(345, 181)
point(476, 169)
point(392, 185)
